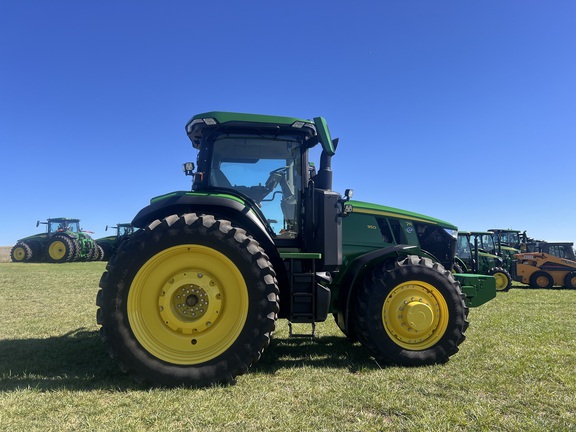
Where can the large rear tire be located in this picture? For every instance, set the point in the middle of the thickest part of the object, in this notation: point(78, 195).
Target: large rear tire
point(188, 301)
point(411, 313)
point(60, 249)
point(107, 251)
point(503, 278)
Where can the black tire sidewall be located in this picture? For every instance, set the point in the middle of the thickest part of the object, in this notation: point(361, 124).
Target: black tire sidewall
point(68, 256)
point(380, 343)
point(132, 255)
point(536, 275)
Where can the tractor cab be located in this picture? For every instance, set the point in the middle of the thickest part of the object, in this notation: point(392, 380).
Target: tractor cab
point(268, 171)
point(61, 225)
point(262, 161)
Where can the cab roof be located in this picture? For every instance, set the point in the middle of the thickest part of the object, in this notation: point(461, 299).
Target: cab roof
point(276, 124)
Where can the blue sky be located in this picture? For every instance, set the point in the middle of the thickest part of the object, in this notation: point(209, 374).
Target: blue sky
point(462, 110)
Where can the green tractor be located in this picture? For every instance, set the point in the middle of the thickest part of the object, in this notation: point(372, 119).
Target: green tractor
point(62, 242)
point(508, 243)
point(192, 298)
point(510, 238)
point(109, 244)
point(475, 254)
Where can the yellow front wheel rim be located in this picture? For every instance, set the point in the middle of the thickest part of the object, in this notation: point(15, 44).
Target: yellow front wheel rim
point(415, 315)
point(187, 304)
point(501, 281)
point(57, 250)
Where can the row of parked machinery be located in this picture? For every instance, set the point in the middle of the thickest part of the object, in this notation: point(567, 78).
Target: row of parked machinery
point(510, 255)
point(64, 241)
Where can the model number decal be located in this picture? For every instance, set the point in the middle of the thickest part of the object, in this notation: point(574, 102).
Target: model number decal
point(371, 227)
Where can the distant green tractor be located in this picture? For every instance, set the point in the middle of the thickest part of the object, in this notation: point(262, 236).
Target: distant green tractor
point(109, 244)
point(475, 255)
point(510, 238)
point(62, 242)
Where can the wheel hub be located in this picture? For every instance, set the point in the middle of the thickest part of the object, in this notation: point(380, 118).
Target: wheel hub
point(57, 250)
point(190, 302)
point(418, 316)
point(413, 315)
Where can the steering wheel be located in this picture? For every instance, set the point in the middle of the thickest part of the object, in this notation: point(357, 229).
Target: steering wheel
point(275, 177)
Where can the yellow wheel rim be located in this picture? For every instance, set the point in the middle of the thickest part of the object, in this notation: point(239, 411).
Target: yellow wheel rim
point(187, 304)
point(415, 315)
point(19, 253)
point(541, 281)
point(57, 250)
point(501, 281)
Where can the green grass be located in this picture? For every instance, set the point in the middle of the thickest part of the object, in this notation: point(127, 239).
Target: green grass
point(515, 371)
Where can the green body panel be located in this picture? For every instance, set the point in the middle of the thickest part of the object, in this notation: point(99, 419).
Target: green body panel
point(248, 206)
point(110, 240)
point(478, 289)
point(370, 208)
point(371, 227)
point(362, 233)
point(508, 257)
point(178, 194)
point(35, 238)
point(487, 262)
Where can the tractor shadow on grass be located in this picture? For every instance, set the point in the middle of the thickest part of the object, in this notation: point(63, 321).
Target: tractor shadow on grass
point(78, 360)
point(330, 352)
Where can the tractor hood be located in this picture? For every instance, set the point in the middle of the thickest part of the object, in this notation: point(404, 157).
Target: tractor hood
point(41, 236)
point(364, 207)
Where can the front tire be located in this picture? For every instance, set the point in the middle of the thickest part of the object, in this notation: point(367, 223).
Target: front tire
point(411, 313)
point(541, 279)
point(503, 278)
point(21, 252)
point(189, 301)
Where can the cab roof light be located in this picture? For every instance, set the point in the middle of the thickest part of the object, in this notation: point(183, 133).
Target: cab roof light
point(301, 124)
point(208, 121)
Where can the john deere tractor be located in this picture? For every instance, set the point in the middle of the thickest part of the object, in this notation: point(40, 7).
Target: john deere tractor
point(109, 244)
point(63, 241)
point(475, 254)
point(192, 298)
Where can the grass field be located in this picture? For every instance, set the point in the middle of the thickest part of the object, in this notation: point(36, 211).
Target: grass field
point(515, 371)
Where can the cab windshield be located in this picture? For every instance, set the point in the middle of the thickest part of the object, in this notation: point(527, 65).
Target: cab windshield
point(487, 242)
point(266, 170)
point(60, 225)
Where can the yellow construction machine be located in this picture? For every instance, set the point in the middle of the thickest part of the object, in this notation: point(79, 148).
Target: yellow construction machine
point(544, 270)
